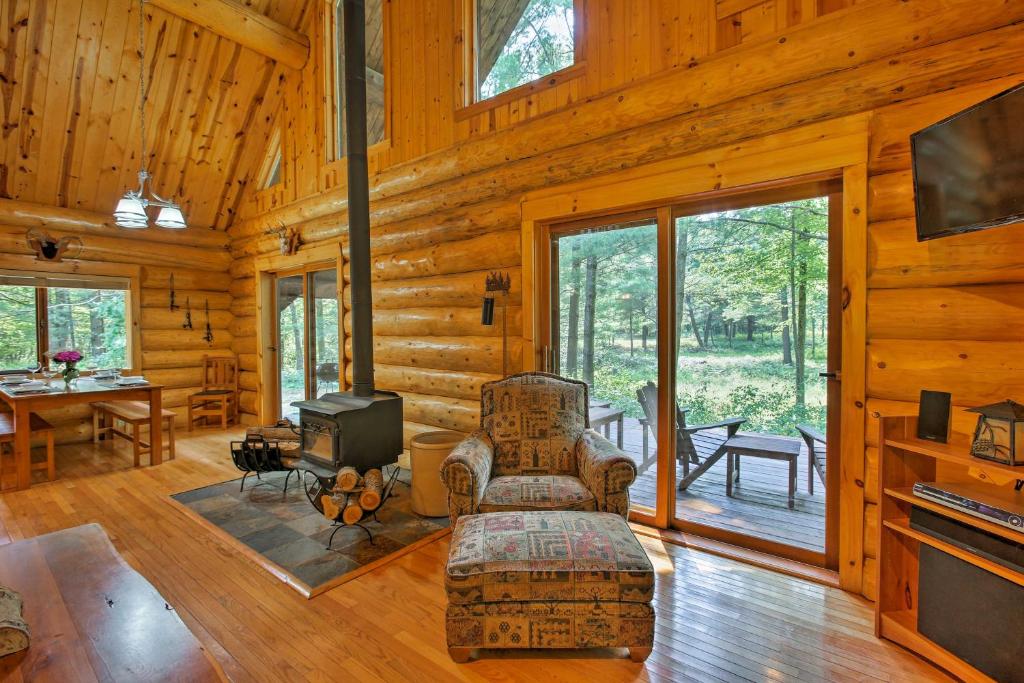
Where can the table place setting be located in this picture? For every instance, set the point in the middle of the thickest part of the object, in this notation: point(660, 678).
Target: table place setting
point(20, 387)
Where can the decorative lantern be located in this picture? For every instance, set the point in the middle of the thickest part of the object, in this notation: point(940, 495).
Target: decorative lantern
point(999, 435)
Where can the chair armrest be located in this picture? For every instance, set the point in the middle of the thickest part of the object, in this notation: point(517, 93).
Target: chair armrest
point(606, 471)
point(465, 472)
point(810, 432)
point(732, 424)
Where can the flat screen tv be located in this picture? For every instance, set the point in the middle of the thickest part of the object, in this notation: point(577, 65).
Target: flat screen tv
point(969, 168)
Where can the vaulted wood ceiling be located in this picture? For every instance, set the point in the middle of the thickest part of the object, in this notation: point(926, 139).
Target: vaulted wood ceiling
point(69, 80)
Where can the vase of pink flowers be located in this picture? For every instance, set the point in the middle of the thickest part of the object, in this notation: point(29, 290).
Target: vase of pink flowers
point(70, 373)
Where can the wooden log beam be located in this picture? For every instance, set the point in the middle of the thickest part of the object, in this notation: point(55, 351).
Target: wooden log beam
point(463, 290)
point(436, 321)
point(25, 215)
point(451, 383)
point(242, 25)
point(461, 354)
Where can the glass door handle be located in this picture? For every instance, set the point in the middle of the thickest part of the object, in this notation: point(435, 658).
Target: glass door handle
point(829, 375)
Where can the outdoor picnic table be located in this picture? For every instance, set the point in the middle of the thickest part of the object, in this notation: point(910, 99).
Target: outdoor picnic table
point(761, 446)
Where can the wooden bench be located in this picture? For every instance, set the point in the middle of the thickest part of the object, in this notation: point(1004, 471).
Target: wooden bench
point(37, 425)
point(134, 414)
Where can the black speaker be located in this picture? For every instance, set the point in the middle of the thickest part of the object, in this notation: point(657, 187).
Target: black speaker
point(974, 614)
point(933, 416)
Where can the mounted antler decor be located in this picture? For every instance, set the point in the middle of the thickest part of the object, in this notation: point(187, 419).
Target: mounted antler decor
point(290, 238)
point(50, 249)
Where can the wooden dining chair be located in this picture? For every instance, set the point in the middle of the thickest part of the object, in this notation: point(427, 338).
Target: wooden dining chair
point(219, 396)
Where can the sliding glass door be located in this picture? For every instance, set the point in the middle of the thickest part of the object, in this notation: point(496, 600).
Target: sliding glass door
point(707, 335)
point(604, 303)
point(755, 354)
point(307, 348)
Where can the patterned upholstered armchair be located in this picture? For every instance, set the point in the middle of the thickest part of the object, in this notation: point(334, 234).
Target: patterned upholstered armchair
point(535, 451)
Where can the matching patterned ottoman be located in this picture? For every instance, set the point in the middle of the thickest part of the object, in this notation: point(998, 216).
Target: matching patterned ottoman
point(548, 580)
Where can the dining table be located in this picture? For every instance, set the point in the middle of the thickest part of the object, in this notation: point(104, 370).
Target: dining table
point(54, 394)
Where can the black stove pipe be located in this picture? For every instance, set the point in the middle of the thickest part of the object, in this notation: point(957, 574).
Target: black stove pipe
point(358, 198)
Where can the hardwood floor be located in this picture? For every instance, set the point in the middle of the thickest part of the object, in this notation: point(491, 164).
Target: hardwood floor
point(718, 620)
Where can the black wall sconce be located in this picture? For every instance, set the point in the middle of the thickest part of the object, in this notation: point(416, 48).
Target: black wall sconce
point(498, 284)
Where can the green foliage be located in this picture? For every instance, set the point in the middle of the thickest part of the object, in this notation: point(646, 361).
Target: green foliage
point(92, 321)
point(739, 291)
point(17, 327)
point(540, 44)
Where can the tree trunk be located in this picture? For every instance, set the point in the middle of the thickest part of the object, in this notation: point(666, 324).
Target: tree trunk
point(631, 353)
point(801, 335)
point(787, 353)
point(62, 324)
point(296, 334)
point(95, 331)
point(682, 255)
point(573, 335)
point(644, 331)
point(693, 324)
point(813, 327)
point(589, 301)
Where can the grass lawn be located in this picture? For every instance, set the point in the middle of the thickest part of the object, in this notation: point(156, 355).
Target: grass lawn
point(748, 380)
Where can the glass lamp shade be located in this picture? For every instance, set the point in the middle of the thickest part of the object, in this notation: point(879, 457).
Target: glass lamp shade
point(130, 212)
point(171, 217)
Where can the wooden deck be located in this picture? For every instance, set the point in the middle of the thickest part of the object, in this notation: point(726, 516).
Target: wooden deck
point(758, 505)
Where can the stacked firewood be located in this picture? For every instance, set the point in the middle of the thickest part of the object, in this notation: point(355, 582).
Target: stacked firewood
point(353, 496)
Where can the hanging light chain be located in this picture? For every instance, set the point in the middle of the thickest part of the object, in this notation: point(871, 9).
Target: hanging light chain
point(142, 87)
point(131, 209)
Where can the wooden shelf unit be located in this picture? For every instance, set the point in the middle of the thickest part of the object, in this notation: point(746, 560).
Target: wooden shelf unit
point(903, 461)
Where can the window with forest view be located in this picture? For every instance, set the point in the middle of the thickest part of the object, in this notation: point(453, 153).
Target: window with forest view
point(751, 313)
point(518, 41)
point(37, 320)
point(375, 105)
point(18, 345)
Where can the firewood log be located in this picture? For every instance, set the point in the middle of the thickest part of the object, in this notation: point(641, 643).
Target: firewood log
point(352, 512)
point(347, 479)
point(333, 505)
point(373, 489)
point(13, 629)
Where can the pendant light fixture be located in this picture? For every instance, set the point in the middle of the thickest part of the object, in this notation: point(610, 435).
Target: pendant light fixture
point(131, 208)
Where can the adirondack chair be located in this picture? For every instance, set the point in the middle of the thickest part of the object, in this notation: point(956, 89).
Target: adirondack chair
point(686, 453)
point(816, 449)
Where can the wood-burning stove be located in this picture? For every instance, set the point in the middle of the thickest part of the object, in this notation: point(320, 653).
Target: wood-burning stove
point(343, 430)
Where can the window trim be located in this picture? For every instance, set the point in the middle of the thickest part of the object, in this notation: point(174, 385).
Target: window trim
point(332, 98)
point(468, 75)
point(128, 276)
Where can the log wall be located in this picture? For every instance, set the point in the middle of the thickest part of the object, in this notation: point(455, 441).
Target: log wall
point(661, 80)
point(169, 355)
